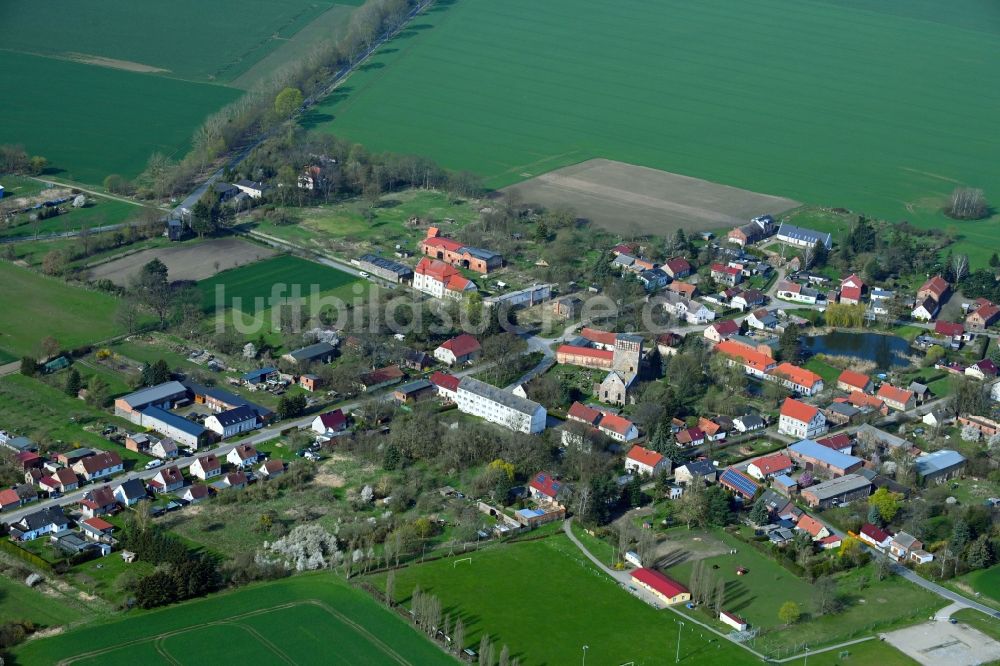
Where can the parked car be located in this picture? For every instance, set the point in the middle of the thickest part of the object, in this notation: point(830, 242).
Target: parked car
point(153, 464)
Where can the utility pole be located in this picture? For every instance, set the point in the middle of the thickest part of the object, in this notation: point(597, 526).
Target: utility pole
point(677, 660)
point(584, 663)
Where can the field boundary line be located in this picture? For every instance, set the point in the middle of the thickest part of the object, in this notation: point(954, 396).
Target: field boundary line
point(263, 641)
point(375, 640)
point(161, 649)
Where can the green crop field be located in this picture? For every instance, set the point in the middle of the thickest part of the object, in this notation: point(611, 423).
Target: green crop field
point(20, 602)
point(831, 103)
point(98, 86)
point(309, 619)
point(545, 601)
point(254, 284)
point(37, 306)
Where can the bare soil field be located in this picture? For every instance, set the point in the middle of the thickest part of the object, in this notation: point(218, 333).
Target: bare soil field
point(638, 200)
point(186, 261)
point(938, 642)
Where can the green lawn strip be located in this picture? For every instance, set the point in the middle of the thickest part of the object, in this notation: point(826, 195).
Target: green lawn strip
point(868, 653)
point(828, 372)
point(142, 627)
point(100, 212)
point(20, 602)
point(983, 585)
point(977, 620)
point(490, 594)
point(48, 307)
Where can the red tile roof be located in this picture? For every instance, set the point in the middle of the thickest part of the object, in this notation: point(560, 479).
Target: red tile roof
point(854, 379)
point(798, 376)
point(749, 357)
point(937, 286)
point(836, 442)
point(690, 435)
point(727, 270)
point(581, 412)
point(678, 265)
point(810, 525)
point(573, 350)
point(209, 462)
point(615, 423)
point(948, 329)
point(445, 381)
point(462, 345)
point(859, 399)
point(773, 464)
point(99, 524)
point(599, 336)
point(988, 311)
point(683, 288)
point(245, 451)
point(644, 456)
point(9, 497)
point(877, 534)
point(443, 243)
point(797, 410)
point(334, 420)
point(850, 293)
point(890, 392)
point(545, 484)
point(101, 461)
point(726, 327)
point(852, 281)
point(666, 586)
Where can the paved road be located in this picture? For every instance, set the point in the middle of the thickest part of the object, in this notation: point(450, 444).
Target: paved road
point(944, 592)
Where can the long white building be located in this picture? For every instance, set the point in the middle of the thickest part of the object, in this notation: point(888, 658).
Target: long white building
point(499, 406)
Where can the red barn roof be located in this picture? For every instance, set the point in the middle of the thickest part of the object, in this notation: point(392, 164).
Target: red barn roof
point(854, 379)
point(462, 345)
point(666, 586)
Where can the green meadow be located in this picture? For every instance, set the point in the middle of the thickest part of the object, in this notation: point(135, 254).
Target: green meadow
point(880, 110)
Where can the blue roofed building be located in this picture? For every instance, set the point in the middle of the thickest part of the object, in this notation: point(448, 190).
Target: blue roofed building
point(940, 466)
point(176, 427)
point(802, 237)
point(786, 484)
point(739, 483)
point(818, 458)
point(260, 375)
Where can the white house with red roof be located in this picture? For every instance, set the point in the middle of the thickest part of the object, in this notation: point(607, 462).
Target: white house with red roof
point(723, 274)
point(61, 480)
point(722, 330)
point(441, 280)
point(852, 288)
point(645, 462)
point(461, 349)
point(690, 437)
point(167, 480)
point(766, 467)
point(98, 466)
point(206, 467)
point(666, 589)
point(544, 487)
point(849, 380)
point(896, 398)
point(801, 420)
point(242, 455)
point(584, 414)
point(875, 536)
point(98, 502)
point(800, 380)
point(813, 527)
point(330, 423)
point(447, 385)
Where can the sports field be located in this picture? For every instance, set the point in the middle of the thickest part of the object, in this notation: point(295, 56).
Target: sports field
point(37, 306)
point(879, 110)
point(545, 601)
point(312, 619)
point(254, 284)
point(98, 86)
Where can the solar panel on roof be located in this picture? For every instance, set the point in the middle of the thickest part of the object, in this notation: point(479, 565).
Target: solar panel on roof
point(740, 482)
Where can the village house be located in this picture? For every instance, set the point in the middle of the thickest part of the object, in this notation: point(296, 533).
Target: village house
point(98, 466)
point(97, 530)
point(850, 380)
point(271, 469)
point(792, 291)
point(754, 363)
point(925, 310)
point(823, 460)
point(441, 280)
point(452, 252)
point(722, 330)
point(45, 521)
point(233, 422)
point(167, 480)
point(841, 442)
point(661, 586)
point(766, 467)
point(748, 423)
point(164, 449)
point(812, 527)
point(242, 456)
point(715, 430)
point(447, 385)
point(543, 487)
point(983, 369)
point(684, 308)
point(62, 481)
point(644, 462)
point(799, 380)
point(896, 398)
point(567, 307)
point(414, 391)
point(801, 420)
point(752, 232)
point(98, 502)
point(841, 413)
point(460, 349)
point(206, 467)
point(724, 274)
point(669, 344)
point(875, 536)
point(689, 437)
point(745, 300)
point(939, 466)
point(677, 267)
point(852, 288)
point(739, 483)
point(936, 288)
point(253, 189)
point(380, 378)
point(867, 403)
point(330, 423)
point(130, 492)
point(498, 406)
point(837, 491)
point(703, 470)
point(195, 493)
point(906, 547)
point(685, 289)
point(982, 315)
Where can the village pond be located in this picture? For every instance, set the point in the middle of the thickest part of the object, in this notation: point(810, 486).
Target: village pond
point(886, 351)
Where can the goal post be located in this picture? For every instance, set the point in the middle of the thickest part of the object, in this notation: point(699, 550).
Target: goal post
point(460, 560)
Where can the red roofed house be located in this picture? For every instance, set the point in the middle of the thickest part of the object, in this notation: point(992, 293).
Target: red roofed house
point(865, 401)
point(829, 542)
point(734, 621)
point(447, 385)
point(62, 480)
point(800, 380)
point(380, 378)
point(98, 502)
point(815, 528)
point(584, 414)
point(330, 422)
point(668, 590)
point(714, 432)
point(770, 466)
point(721, 330)
point(754, 363)
point(9, 499)
point(896, 398)
point(585, 357)
point(727, 274)
point(97, 529)
point(854, 381)
point(851, 290)
point(618, 428)
point(544, 487)
point(984, 315)
point(690, 437)
point(441, 280)
point(984, 369)
point(98, 465)
point(936, 288)
point(949, 329)
point(167, 480)
point(600, 339)
point(460, 349)
point(643, 462)
point(839, 442)
point(685, 289)
point(452, 252)
point(677, 268)
point(206, 467)
point(875, 536)
point(801, 420)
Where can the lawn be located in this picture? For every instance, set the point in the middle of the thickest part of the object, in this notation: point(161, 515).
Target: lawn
point(20, 602)
point(254, 284)
point(673, 85)
point(545, 601)
point(297, 620)
point(758, 595)
point(985, 582)
point(828, 372)
point(98, 213)
point(38, 306)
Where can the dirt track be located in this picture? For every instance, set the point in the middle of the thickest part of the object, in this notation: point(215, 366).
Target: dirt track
point(185, 261)
point(637, 200)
